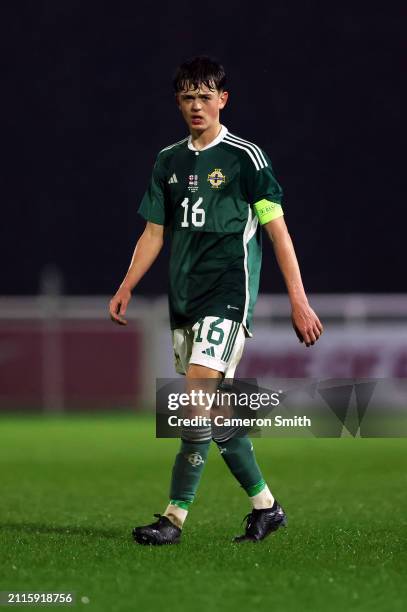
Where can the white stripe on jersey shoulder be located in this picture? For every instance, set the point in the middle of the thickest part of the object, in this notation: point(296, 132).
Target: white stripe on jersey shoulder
point(253, 147)
point(173, 145)
point(244, 147)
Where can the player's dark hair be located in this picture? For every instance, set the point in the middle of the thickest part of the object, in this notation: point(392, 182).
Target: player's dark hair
point(197, 71)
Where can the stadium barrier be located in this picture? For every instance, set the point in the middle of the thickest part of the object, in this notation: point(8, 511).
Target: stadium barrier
point(62, 353)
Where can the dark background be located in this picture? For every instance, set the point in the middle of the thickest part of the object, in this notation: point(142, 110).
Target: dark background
point(87, 103)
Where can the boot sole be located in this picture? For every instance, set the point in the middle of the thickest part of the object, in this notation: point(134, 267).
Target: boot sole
point(145, 541)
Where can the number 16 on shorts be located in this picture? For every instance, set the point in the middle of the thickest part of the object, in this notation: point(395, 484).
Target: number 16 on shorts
point(218, 339)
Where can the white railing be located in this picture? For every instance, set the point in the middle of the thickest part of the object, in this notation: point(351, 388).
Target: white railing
point(374, 323)
point(341, 306)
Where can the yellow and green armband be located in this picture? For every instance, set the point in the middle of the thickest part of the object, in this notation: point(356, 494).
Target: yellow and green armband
point(267, 211)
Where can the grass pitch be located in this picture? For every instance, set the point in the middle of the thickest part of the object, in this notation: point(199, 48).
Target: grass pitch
point(73, 487)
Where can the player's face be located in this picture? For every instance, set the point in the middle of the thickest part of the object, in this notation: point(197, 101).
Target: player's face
point(200, 107)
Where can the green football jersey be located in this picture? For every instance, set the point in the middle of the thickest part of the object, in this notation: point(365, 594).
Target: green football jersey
point(208, 199)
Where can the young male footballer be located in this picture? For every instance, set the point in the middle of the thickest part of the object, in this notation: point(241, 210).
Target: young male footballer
point(213, 191)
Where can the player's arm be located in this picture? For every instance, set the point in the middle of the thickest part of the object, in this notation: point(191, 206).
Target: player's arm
point(145, 253)
point(306, 324)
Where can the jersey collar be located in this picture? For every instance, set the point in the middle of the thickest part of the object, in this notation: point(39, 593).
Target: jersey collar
point(217, 140)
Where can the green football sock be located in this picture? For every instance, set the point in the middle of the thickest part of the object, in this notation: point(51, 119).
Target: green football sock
point(239, 456)
point(187, 472)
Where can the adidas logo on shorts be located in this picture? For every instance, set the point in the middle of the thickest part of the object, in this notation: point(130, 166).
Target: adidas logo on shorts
point(209, 351)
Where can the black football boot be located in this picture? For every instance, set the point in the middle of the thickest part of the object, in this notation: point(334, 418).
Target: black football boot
point(160, 532)
point(262, 522)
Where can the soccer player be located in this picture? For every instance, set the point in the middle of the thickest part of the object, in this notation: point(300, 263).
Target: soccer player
point(213, 191)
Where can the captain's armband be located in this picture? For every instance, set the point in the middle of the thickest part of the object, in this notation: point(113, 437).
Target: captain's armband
point(267, 211)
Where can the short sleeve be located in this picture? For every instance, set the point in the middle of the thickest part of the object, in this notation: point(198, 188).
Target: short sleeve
point(153, 206)
point(264, 192)
point(261, 183)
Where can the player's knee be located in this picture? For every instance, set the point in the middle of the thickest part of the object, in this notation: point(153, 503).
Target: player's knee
point(196, 370)
point(222, 437)
point(196, 434)
point(233, 435)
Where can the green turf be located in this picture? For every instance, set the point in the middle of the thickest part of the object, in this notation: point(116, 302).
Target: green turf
point(71, 489)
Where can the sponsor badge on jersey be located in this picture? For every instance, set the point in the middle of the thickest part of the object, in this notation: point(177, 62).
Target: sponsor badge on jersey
point(216, 178)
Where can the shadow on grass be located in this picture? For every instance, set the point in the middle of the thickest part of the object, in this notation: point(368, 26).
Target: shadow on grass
point(66, 530)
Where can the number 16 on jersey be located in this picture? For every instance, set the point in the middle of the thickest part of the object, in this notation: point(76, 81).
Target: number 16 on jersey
point(197, 216)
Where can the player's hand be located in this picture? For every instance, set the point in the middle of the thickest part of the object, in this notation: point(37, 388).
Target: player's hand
point(118, 305)
point(306, 324)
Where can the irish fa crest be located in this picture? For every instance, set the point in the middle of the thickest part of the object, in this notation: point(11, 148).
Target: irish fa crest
point(216, 178)
point(195, 459)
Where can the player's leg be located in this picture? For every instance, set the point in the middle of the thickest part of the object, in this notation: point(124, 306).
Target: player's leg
point(238, 453)
point(195, 442)
point(191, 458)
point(266, 515)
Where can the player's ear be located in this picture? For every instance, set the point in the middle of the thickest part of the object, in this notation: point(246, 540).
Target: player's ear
point(223, 98)
point(177, 101)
